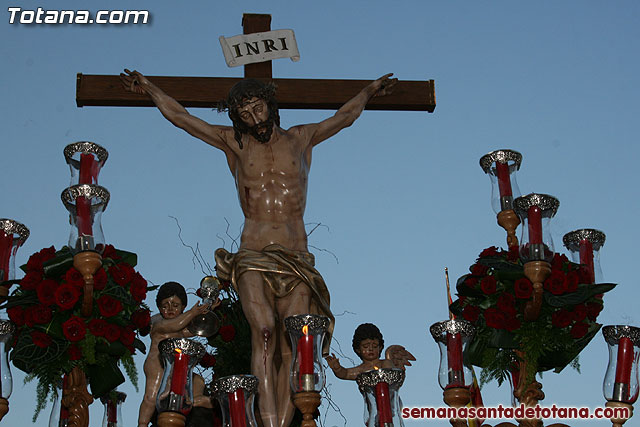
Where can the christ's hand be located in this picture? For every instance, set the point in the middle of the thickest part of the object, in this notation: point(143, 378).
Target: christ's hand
point(384, 85)
point(134, 82)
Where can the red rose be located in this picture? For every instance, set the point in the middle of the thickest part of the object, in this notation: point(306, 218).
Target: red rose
point(488, 285)
point(74, 329)
point(558, 261)
point(593, 309)
point(127, 336)
point(74, 277)
point(110, 252)
point(208, 361)
point(66, 296)
point(100, 279)
point(579, 330)
point(561, 318)
point(507, 304)
point(36, 260)
point(111, 332)
point(514, 254)
point(46, 291)
point(41, 339)
point(30, 280)
point(16, 314)
point(494, 318)
point(471, 281)
point(523, 288)
point(227, 333)
point(74, 352)
point(138, 288)
point(97, 327)
point(511, 323)
point(555, 283)
point(141, 318)
point(38, 314)
point(573, 278)
point(470, 313)
point(109, 306)
point(579, 313)
point(121, 273)
point(492, 251)
point(479, 269)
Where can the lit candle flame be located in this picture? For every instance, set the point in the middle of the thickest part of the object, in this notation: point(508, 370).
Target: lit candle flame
point(376, 368)
point(305, 329)
point(177, 350)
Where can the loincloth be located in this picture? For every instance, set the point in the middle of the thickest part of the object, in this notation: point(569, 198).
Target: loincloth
point(282, 270)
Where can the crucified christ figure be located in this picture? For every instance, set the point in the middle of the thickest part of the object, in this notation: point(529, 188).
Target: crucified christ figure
point(273, 272)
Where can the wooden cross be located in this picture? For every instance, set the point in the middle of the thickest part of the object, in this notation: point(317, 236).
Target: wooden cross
point(104, 90)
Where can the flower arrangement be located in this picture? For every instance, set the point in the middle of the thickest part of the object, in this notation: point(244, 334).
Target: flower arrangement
point(52, 337)
point(493, 297)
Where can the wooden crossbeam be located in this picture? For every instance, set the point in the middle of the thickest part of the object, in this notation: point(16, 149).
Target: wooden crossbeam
point(206, 92)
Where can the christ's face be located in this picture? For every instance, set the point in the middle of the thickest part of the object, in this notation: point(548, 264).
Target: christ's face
point(254, 112)
point(171, 307)
point(369, 349)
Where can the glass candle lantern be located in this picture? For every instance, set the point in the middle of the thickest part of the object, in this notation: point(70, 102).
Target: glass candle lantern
point(621, 377)
point(113, 409)
point(85, 159)
point(85, 203)
point(452, 337)
point(536, 211)
point(179, 356)
point(7, 328)
point(379, 388)
point(59, 414)
point(307, 333)
point(584, 246)
point(207, 324)
point(12, 236)
point(501, 166)
point(236, 394)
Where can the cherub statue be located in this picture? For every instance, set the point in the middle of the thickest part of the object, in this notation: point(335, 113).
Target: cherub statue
point(171, 322)
point(368, 344)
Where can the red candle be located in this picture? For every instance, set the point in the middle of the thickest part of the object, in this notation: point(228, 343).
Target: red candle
point(6, 243)
point(625, 361)
point(535, 225)
point(454, 358)
point(112, 412)
point(383, 403)
point(83, 216)
point(586, 258)
point(305, 352)
point(88, 169)
point(180, 368)
point(504, 179)
point(236, 408)
point(64, 413)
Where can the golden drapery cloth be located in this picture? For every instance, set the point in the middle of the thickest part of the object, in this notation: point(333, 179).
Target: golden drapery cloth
point(282, 270)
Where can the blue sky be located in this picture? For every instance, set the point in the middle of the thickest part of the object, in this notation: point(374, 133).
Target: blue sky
point(399, 195)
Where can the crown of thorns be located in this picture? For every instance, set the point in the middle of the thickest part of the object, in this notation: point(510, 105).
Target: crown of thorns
point(255, 88)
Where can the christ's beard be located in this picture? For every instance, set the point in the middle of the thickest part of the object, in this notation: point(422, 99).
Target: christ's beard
point(266, 129)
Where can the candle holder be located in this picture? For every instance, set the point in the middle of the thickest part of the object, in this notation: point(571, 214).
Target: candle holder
point(113, 409)
point(307, 378)
point(7, 328)
point(59, 414)
point(85, 203)
point(175, 395)
point(452, 337)
point(584, 246)
point(536, 244)
point(12, 236)
point(379, 389)
point(207, 324)
point(85, 160)
point(501, 166)
point(621, 377)
point(236, 395)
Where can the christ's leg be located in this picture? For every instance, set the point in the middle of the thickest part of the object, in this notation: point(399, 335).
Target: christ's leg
point(258, 304)
point(297, 302)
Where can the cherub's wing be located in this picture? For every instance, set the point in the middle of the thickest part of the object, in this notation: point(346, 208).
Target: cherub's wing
point(399, 356)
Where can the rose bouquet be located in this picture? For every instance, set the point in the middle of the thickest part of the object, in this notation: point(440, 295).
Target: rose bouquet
point(52, 337)
point(493, 297)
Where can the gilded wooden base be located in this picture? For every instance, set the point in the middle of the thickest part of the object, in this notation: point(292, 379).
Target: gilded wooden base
point(171, 419)
point(457, 397)
point(618, 422)
point(537, 272)
point(4, 407)
point(509, 220)
point(307, 402)
point(76, 398)
point(87, 263)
